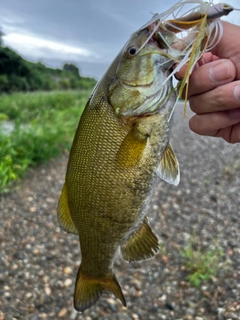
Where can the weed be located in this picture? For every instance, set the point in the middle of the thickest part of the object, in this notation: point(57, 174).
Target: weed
point(44, 125)
point(202, 264)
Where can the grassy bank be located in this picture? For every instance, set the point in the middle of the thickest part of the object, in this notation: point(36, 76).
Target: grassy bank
point(37, 127)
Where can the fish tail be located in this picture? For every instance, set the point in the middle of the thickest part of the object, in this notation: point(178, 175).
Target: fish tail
point(88, 290)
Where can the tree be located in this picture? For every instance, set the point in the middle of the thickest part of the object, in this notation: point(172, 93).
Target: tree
point(71, 68)
point(1, 35)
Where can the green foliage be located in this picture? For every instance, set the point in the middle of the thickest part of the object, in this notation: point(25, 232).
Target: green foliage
point(44, 126)
point(202, 264)
point(12, 161)
point(72, 69)
point(18, 74)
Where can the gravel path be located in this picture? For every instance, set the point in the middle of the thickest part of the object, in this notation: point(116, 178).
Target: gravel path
point(39, 262)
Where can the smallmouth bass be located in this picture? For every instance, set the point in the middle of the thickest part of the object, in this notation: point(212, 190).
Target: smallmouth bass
point(116, 154)
point(120, 148)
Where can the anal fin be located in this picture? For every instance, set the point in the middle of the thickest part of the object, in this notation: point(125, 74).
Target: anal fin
point(142, 245)
point(64, 216)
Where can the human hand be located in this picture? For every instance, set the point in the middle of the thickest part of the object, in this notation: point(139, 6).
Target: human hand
point(214, 89)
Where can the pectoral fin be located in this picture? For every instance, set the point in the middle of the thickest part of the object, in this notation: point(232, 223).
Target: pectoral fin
point(64, 216)
point(141, 245)
point(131, 149)
point(168, 169)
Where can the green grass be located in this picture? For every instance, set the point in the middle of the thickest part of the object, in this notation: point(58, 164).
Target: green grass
point(44, 126)
point(202, 265)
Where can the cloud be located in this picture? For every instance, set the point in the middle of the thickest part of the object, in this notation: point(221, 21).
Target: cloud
point(26, 43)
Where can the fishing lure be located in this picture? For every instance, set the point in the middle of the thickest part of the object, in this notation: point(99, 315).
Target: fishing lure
point(195, 28)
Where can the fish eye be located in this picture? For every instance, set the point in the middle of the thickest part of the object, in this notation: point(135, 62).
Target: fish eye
point(131, 51)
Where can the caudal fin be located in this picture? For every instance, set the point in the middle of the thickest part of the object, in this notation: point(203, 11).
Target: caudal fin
point(88, 290)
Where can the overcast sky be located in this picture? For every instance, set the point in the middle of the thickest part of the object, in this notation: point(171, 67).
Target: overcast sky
point(88, 33)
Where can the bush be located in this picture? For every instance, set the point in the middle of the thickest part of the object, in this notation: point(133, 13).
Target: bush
point(44, 126)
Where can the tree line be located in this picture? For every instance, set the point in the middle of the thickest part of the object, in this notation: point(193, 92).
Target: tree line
point(18, 74)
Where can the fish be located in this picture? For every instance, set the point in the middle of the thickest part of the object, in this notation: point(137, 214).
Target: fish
point(121, 147)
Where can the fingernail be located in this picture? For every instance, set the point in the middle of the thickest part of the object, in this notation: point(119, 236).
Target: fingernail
point(236, 92)
point(220, 72)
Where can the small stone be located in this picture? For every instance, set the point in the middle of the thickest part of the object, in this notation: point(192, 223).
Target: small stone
point(164, 259)
point(74, 315)
point(190, 312)
point(47, 290)
point(7, 295)
point(28, 295)
point(14, 267)
point(221, 310)
point(67, 282)
point(46, 279)
point(163, 298)
point(62, 313)
point(67, 270)
point(169, 306)
point(32, 209)
point(1, 315)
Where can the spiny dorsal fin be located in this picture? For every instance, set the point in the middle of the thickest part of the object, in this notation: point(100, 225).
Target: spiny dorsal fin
point(64, 216)
point(88, 290)
point(168, 169)
point(141, 245)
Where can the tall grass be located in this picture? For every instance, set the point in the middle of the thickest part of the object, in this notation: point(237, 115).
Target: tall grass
point(44, 125)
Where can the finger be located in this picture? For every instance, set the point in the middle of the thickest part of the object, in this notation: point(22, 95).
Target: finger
point(230, 134)
point(221, 98)
point(211, 75)
point(228, 46)
point(207, 57)
point(210, 124)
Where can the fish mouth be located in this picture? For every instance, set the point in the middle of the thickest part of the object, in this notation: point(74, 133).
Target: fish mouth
point(133, 85)
point(152, 101)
